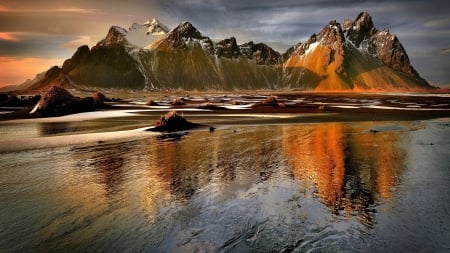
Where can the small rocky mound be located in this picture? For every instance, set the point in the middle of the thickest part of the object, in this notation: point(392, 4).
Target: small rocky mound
point(58, 102)
point(178, 101)
point(11, 100)
point(151, 102)
point(273, 101)
point(172, 122)
point(99, 98)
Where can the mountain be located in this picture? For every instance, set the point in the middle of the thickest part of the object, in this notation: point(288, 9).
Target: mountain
point(138, 35)
point(352, 56)
point(185, 59)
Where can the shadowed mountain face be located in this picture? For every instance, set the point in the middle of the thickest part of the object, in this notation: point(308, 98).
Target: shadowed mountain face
point(352, 56)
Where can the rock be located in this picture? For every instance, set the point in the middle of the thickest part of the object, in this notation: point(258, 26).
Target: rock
point(210, 106)
point(227, 48)
point(261, 53)
point(172, 122)
point(9, 100)
point(99, 98)
point(178, 101)
point(151, 102)
point(58, 101)
point(271, 100)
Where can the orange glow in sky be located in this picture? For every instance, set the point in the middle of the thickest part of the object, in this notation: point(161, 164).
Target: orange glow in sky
point(13, 70)
point(7, 36)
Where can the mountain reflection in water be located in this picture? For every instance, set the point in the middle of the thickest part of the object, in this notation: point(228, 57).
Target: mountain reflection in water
point(349, 169)
point(254, 188)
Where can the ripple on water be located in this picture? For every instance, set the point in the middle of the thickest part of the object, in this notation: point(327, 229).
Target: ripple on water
point(297, 188)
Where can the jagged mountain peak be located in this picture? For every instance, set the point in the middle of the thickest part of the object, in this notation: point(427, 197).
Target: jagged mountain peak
point(184, 36)
point(227, 48)
point(355, 55)
point(352, 55)
point(186, 30)
point(261, 53)
point(360, 29)
point(138, 35)
point(115, 35)
point(364, 18)
point(155, 27)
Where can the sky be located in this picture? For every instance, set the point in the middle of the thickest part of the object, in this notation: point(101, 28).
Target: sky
point(35, 35)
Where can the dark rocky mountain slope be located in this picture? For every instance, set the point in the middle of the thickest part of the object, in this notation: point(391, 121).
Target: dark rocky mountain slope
point(354, 55)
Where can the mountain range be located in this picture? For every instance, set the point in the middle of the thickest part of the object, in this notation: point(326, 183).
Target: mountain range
point(354, 55)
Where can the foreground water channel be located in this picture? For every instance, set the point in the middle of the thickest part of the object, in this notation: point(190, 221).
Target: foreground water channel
point(321, 187)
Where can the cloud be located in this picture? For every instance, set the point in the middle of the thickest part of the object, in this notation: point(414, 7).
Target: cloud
point(76, 42)
point(38, 45)
point(438, 23)
point(16, 70)
point(445, 51)
point(25, 11)
point(8, 36)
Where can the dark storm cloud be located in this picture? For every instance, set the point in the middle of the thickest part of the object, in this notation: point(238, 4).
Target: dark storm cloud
point(37, 45)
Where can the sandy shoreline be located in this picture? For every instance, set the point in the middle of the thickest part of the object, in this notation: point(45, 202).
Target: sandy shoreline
point(128, 119)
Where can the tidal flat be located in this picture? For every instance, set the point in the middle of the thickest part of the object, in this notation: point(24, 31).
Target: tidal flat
point(325, 173)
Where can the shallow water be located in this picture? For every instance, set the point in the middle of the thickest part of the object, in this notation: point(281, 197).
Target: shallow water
point(329, 187)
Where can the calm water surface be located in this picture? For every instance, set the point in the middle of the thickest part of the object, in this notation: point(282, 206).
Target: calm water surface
point(333, 187)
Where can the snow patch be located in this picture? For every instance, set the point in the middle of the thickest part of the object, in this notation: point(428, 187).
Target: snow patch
point(142, 35)
point(311, 48)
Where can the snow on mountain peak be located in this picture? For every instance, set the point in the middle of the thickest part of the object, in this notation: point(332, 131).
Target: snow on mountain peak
point(142, 35)
point(155, 27)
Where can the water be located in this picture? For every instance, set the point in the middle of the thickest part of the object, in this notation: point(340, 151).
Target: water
point(328, 187)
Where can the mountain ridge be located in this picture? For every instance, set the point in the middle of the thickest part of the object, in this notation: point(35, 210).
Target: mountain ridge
point(354, 55)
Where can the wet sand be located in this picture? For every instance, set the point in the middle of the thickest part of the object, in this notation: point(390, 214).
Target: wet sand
point(130, 118)
point(312, 172)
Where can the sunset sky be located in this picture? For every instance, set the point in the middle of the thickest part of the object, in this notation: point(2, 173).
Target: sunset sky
point(35, 35)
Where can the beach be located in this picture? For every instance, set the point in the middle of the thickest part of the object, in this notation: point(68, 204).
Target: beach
point(307, 173)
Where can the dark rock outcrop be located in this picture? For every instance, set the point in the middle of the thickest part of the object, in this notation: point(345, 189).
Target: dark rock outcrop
point(12, 100)
point(58, 102)
point(273, 101)
point(261, 53)
point(100, 98)
point(172, 122)
point(151, 102)
point(227, 48)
